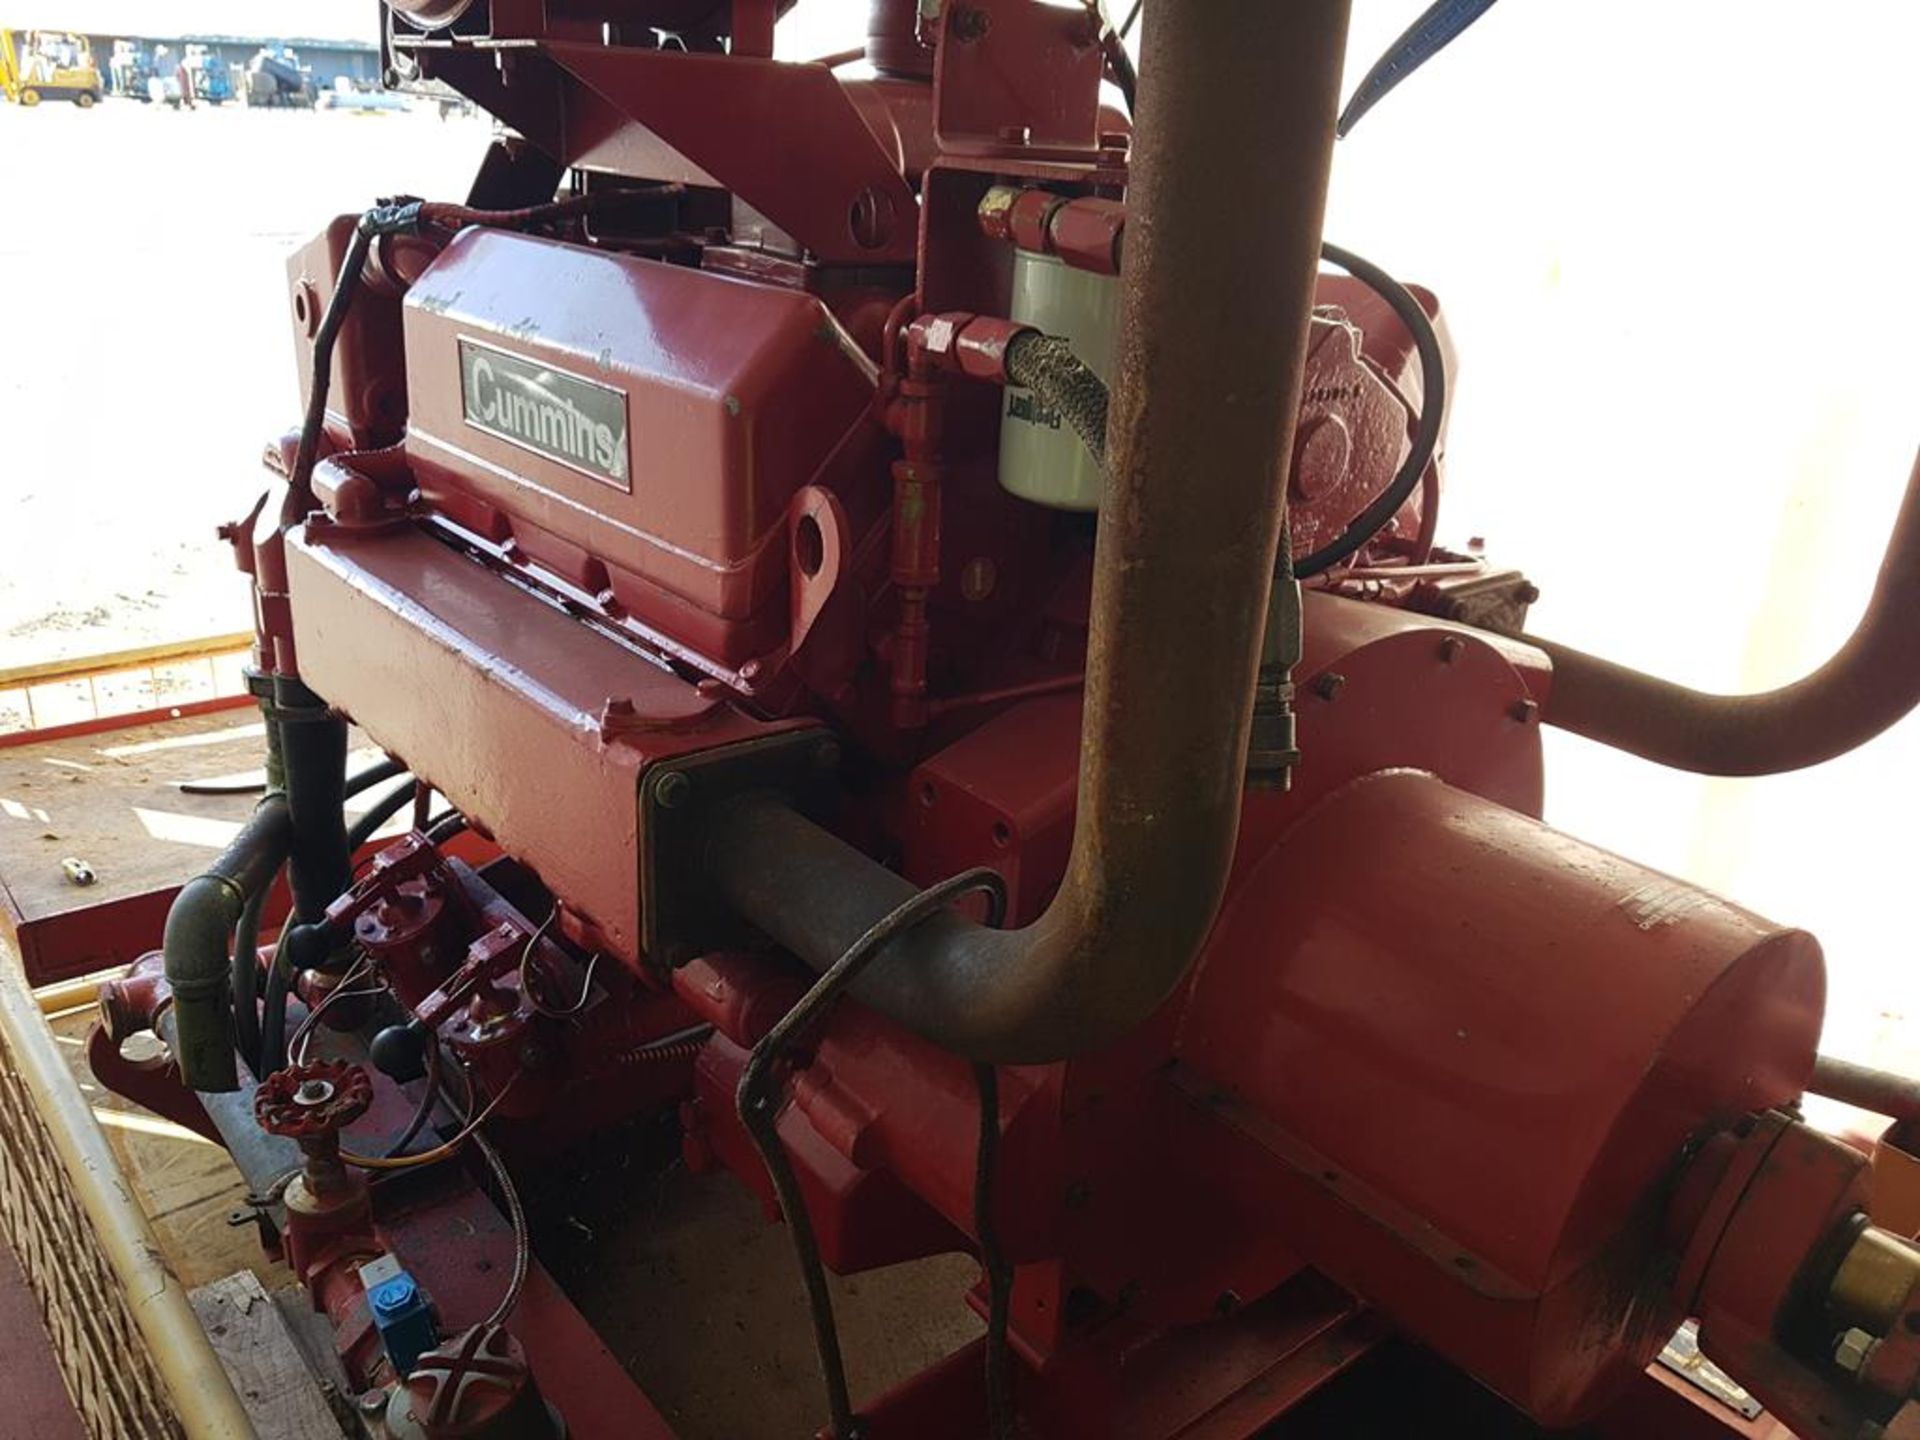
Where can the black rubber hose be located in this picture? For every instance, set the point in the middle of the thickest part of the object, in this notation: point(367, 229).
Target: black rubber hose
point(383, 810)
point(314, 753)
point(373, 775)
point(299, 499)
point(396, 219)
point(200, 926)
point(246, 976)
point(756, 1102)
point(1426, 435)
point(273, 1011)
point(1060, 380)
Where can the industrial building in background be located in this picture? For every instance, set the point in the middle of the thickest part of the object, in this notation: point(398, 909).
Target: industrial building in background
point(210, 48)
point(911, 618)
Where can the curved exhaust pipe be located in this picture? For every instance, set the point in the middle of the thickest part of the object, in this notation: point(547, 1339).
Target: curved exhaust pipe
point(1868, 685)
point(1235, 138)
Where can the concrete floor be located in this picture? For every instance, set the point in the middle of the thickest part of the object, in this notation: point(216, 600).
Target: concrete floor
point(699, 1297)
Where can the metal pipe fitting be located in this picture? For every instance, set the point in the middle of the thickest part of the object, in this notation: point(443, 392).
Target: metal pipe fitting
point(1868, 685)
point(1236, 131)
point(199, 929)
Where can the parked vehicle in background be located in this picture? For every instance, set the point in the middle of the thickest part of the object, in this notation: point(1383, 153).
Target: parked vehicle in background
point(50, 65)
point(167, 84)
point(129, 70)
point(208, 75)
point(366, 96)
point(275, 77)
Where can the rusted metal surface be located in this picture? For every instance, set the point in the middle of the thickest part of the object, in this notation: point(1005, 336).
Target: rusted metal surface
point(1219, 290)
point(1870, 683)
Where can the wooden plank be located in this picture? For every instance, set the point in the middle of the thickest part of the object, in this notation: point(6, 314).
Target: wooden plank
point(261, 1356)
point(113, 800)
point(83, 666)
point(187, 1185)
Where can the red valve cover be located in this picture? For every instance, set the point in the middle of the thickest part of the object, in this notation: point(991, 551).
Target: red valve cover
point(637, 428)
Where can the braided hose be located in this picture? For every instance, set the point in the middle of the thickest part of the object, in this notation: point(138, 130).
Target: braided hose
point(1046, 365)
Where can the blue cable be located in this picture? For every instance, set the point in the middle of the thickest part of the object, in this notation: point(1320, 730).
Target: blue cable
point(1438, 27)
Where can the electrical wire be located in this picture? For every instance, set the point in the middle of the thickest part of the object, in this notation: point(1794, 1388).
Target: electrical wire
point(526, 975)
point(1426, 434)
point(986, 1080)
point(273, 1009)
point(759, 1114)
point(407, 217)
point(443, 1150)
point(303, 1037)
point(1113, 42)
point(1133, 16)
point(429, 1093)
point(522, 1235)
point(395, 219)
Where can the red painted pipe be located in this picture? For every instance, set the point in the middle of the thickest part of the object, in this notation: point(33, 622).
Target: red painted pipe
point(1871, 683)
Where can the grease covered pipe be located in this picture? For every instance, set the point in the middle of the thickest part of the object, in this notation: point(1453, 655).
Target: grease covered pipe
point(1235, 137)
point(1870, 683)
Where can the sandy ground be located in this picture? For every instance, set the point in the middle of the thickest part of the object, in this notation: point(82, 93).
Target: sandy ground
point(146, 356)
point(1672, 241)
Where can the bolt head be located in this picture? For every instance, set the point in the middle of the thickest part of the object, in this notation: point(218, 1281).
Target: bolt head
point(671, 790)
point(313, 1092)
point(1852, 1351)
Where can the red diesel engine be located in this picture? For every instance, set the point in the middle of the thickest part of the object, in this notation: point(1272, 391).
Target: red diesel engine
point(924, 615)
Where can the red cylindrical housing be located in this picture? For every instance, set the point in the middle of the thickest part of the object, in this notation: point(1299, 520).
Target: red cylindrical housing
point(1479, 1050)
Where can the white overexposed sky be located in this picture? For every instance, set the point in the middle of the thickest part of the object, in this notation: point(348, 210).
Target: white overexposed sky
point(307, 19)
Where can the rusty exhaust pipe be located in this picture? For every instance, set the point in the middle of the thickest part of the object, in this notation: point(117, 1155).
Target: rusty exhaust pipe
point(1868, 685)
point(1235, 139)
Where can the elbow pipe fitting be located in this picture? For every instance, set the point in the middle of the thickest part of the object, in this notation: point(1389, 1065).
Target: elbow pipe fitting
point(1217, 296)
point(1869, 684)
point(199, 929)
point(1087, 232)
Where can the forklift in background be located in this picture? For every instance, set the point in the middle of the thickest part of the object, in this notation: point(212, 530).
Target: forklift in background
point(52, 65)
